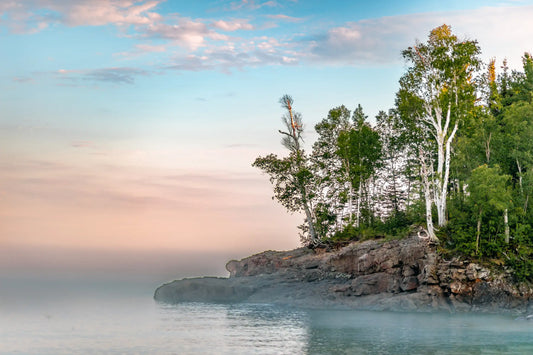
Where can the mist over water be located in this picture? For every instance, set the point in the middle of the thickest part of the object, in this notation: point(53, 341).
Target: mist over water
point(94, 315)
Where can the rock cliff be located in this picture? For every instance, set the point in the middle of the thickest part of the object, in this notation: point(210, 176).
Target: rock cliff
point(400, 275)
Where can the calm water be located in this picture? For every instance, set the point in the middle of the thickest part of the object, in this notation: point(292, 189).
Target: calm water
point(73, 317)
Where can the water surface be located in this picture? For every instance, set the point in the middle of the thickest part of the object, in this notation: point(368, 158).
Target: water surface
point(75, 317)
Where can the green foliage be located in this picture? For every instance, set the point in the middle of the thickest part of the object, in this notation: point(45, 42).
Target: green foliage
point(483, 124)
point(398, 223)
point(488, 189)
point(348, 233)
point(353, 233)
point(286, 178)
point(292, 176)
point(360, 153)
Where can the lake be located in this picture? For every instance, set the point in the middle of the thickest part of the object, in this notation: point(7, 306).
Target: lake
point(73, 316)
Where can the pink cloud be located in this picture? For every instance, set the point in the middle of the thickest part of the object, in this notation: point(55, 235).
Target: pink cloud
point(233, 25)
point(102, 12)
point(151, 48)
point(121, 206)
point(378, 41)
point(82, 144)
point(186, 32)
point(30, 16)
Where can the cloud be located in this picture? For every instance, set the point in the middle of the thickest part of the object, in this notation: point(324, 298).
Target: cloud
point(116, 75)
point(251, 5)
point(30, 16)
point(121, 187)
point(378, 41)
point(142, 49)
point(151, 48)
point(22, 79)
point(186, 32)
point(239, 55)
point(213, 44)
point(501, 31)
point(285, 18)
point(82, 144)
point(234, 25)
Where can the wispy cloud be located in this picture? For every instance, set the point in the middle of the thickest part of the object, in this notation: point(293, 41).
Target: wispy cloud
point(182, 31)
point(30, 16)
point(259, 52)
point(82, 144)
point(194, 44)
point(22, 79)
point(115, 75)
point(251, 4)
point(233, 25)
point(142, 49)
point(285, 18)
point(380, 41)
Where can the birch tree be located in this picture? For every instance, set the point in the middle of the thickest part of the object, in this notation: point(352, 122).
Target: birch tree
point(360, 152)
point(291, 176)
point(435, 95)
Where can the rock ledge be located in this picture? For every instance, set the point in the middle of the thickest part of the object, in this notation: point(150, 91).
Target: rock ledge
point(398, 275)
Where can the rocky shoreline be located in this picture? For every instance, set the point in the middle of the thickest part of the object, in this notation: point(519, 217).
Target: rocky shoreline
point(397, 275)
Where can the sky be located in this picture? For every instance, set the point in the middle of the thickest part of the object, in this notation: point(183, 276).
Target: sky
point(128, 127)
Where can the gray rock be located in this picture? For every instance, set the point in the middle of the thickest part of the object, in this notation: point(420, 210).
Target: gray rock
point(400, 275)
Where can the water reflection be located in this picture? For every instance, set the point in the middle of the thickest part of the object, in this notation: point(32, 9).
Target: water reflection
point(266, 329)
point(237, 329)
point(71, 317)
point(407, 333)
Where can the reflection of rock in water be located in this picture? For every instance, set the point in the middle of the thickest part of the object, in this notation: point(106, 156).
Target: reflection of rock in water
point(405, 274)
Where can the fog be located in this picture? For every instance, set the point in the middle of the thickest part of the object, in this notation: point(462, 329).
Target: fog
point(32, 277)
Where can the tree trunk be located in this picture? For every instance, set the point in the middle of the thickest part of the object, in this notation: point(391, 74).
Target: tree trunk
point(519, 176)
point(310, 222)
point(506, 222)
point(487, 148)
point(443, 188)
point(427, 196)
point(358, 210)
point(478, 230)
point(350, 196)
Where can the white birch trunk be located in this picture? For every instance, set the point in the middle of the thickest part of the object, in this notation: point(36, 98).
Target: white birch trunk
point(439, 185)
point(506, 223)
point(350, 195)
point(519, 176)
point(358, 209)
point(427, 195)
point(441, 207)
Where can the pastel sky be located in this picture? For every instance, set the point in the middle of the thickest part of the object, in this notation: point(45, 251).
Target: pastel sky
point(130, 126)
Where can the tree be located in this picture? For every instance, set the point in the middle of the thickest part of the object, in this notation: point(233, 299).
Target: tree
point(488, 191)
point(435, 94)
point(330, 179)
point(360, 152)
point(396, 185)
point(292, 176)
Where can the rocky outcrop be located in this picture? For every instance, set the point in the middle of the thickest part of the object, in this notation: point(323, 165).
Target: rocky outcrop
point(401, 275)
